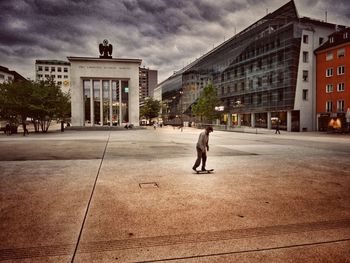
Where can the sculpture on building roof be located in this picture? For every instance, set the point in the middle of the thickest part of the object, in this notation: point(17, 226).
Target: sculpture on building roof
point(105, 49)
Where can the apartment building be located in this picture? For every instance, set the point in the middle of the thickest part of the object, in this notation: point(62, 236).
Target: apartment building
point(333, 81)
point(56, 69)
point(148, 80)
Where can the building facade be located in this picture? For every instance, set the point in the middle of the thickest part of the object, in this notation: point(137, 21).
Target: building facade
point(58, 70)
point(148, 82)
point(333, 81)
point(104, 91)
point(7, 75)
point(264, 74)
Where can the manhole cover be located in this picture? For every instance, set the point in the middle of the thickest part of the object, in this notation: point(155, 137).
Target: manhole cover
point(149, 185)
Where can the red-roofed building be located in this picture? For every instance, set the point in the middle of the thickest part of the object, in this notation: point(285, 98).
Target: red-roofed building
point(333, 81)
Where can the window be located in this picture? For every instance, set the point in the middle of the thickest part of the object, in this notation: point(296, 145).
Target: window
point(345, 35)
point(47, 76)
point(329, 106)
point(280, 95)
point(40, 68)
point(59, 82)
point(242, 85)
point(340, 105)
point(280, 57)
point(341, 87)
point(59, 76)
point(280, 77)
point(331, 39)
point(2, 76)
point(305, 39)
point(305, 75)
point(250, 84)
point(46, 68)
point(59, 69)
point(53, 76)
point(341, 70)
point(320, 41)
point(65, 69)
point(259, 81)
point(305, 94)
point(40, 76)
point(341, 52)
point(305, 56)
point(259, 63)
point(278, 42)
point(329, 72)
point(65, 76)
point(9, 78)
point(53, 69)
point(269, 79)
point(329, 55)
point(259, 99)
point(329, 88)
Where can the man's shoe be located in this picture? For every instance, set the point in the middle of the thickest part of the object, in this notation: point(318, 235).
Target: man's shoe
point(194, 169)
point(203, 169)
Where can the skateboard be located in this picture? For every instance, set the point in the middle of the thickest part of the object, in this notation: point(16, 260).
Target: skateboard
point(205, 172)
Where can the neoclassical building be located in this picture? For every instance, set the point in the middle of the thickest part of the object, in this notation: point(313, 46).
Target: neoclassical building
point(104, 90)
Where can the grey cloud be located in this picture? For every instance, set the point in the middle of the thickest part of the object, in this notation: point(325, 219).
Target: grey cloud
point(166, 34)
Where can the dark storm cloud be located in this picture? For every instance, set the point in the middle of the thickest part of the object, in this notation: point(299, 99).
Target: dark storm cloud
point(165, 34)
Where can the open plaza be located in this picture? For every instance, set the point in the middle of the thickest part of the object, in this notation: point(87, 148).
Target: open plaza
point(131, 196)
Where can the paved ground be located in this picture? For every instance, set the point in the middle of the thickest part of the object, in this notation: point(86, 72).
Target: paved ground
point(130, 196)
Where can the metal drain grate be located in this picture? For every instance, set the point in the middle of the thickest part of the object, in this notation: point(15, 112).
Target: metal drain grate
point(149, 185)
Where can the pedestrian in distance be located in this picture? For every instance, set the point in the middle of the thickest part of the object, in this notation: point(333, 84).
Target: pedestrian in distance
point(202, 147)
point(25, 130)
point(277, 127)
point(8, 129)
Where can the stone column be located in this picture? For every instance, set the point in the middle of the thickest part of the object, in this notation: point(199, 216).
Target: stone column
point(238, 119)
point(120, 102)
point(92, 112)
point(269, 120)
point(229, 120)
point(289, 121)
point(110, 104)
point(101, 103)
point(134, 99)
point(252, 119)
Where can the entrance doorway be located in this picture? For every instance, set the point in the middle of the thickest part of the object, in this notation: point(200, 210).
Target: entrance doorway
point(105, 104)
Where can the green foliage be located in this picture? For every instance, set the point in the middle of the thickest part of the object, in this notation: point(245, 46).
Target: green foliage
point(150, 109)
point(205, 107)
point(40, 100)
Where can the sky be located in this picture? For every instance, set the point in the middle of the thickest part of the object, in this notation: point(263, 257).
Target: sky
point(166, 34)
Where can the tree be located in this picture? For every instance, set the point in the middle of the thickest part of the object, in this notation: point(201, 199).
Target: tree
point(150, 109)
point(205, 107)
point(15, 100)
point(40, 100)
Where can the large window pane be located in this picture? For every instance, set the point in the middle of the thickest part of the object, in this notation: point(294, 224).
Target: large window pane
point(87, 108)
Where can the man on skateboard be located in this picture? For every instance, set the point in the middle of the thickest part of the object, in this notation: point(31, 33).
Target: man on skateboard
point(202, 148)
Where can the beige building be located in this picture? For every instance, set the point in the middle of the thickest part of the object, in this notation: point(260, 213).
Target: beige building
point(56, 69)
point(104, 91)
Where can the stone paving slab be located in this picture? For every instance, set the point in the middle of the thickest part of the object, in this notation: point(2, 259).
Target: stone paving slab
point(270, 199)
